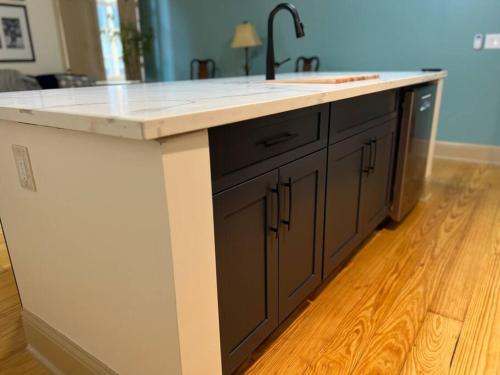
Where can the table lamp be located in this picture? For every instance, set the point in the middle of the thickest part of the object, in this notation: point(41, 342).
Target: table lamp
point(245, 36)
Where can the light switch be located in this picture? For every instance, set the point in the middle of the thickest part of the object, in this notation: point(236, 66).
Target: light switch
point(492, 41)
point(23, 165)
point(478, 42)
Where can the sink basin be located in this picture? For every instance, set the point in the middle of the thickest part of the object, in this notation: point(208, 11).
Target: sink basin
point(329, 80)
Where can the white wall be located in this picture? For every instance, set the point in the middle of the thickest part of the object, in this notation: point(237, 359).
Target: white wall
point(91, 248)
point(45, 36)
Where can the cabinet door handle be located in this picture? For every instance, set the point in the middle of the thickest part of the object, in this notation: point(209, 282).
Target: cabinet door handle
point(289, 185)
point(275, 229)
point(374, 147)
point(282, 138)
point(367, 149)
point(424, 107)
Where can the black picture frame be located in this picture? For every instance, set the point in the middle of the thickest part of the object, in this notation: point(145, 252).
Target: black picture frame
point(29, 41)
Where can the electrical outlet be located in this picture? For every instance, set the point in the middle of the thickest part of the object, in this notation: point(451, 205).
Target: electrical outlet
point(23, 165)
point(492, 41)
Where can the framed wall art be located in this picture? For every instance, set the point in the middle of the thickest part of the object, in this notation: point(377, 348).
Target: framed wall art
point(15, 35)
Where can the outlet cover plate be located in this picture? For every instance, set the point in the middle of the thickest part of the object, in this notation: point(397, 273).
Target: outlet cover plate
point(23, 165)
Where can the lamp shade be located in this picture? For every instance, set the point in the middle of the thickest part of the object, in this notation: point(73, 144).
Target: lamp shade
point(245, 36)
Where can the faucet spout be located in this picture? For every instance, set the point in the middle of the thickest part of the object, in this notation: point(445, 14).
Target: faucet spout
point(299, 32)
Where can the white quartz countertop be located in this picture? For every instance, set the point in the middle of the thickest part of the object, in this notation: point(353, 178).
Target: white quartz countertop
point(156, 110)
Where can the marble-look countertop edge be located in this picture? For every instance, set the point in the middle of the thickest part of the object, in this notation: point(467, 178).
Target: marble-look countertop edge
point(156, 129)
point(170, 125)
point(115, 127)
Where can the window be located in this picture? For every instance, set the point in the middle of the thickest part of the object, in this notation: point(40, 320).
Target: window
point(109, 27)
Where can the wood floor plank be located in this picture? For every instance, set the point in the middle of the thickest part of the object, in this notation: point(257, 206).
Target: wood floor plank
point(22, 363)
point(478, 349)
point(389, 345)
point(455, 290)
point(318, 323)
point(319, 320)
point(12, 335)
point(329, 338)
point(445, 173)
point(4, 257)
point(496, 231)
point(342, 354)
point(14, 358)
point(434, 346)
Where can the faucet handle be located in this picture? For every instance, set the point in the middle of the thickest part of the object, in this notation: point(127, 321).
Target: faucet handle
point(278, 64)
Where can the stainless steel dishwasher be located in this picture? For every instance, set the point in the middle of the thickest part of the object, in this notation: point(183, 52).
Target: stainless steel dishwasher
point(414, 138)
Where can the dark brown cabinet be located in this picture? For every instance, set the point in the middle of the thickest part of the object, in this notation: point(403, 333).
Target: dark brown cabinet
point(355, 115)
point(343, 232)
point(357, 196)
point(247, 149)
point(247, 266)
point(267, 263)
point(374, 206)
point(289, 209)
point(301, 232)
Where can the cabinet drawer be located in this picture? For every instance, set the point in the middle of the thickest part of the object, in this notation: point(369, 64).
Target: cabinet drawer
point(353, 116)
point(243, 150)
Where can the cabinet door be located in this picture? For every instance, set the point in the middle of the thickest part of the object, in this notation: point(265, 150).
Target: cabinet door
point(247, 266)
point(302, 188)
point(346, 161)
point(376, 183)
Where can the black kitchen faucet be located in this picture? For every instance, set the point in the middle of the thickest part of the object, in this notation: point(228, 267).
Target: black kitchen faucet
point(299, 31)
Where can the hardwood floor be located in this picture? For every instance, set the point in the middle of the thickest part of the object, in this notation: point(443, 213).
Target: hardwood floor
point(4, 257)
point(420, 298)
point(14, 358)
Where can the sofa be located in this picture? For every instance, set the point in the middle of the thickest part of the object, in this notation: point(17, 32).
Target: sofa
point(13, 80)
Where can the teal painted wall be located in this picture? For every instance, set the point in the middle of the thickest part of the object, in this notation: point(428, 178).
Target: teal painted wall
point(358, 35)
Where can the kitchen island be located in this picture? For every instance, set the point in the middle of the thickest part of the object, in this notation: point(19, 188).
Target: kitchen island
point(111, 209)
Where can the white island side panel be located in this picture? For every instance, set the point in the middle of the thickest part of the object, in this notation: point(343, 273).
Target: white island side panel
point(91, 247)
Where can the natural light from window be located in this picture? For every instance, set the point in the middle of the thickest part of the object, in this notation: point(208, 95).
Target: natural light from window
point(112, 50)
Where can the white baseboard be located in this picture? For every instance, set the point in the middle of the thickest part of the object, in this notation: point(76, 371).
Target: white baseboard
point(468, 152)
point(58, 353)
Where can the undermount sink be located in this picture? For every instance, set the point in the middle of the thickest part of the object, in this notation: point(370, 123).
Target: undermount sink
point(329, 80)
